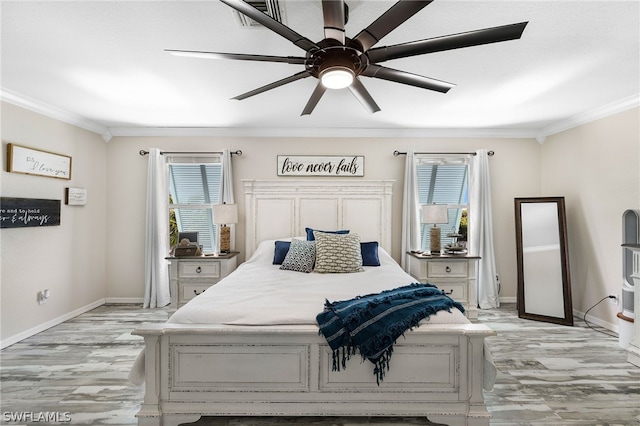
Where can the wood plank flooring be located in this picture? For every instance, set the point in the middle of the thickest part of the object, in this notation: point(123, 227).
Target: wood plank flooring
point(76, 373)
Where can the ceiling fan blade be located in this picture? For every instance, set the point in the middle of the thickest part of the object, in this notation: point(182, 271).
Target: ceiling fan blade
point(448, 42)
point(403, 77)
point(334, 19)
point(388, 21)
point(290, 79)
point(272, 24)
point(238, 56)
point(361, 93)
point(314, 99)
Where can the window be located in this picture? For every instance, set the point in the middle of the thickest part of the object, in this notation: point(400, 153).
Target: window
point(194, 185)
point(444, 181)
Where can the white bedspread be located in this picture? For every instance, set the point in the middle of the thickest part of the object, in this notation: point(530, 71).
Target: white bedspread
point(260, 293)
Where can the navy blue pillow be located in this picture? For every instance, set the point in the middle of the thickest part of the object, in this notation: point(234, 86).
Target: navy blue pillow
point(281, 250)
point(310, 236)
point(370, 254)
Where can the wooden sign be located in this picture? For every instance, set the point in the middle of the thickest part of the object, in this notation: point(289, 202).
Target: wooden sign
point(321, 165)
point(75, 196)
point(28, 212)
point(32, 161)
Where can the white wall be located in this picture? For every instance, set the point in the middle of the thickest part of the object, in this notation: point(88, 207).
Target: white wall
point(70, 259)
point(596, 167)
point(515, 171)
point(97, 253)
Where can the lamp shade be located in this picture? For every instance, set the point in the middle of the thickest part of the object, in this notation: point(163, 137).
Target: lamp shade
point(435, 213)
point(224, 214)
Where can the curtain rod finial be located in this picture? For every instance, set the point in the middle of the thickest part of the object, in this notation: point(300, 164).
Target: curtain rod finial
point(143, 152)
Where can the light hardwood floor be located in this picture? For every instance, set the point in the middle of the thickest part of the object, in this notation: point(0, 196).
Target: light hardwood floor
point(548, 375)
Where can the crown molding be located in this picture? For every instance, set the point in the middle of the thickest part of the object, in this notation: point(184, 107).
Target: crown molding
point(107, 133)
point(612, 108)
point(54, 112)
point(324, 132)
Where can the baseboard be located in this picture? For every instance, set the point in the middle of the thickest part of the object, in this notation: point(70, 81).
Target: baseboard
point(44, 326)
point(597, 321)
point(592, 320)
point(124, 301)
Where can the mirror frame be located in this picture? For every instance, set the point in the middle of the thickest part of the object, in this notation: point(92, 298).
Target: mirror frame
point(564, 259)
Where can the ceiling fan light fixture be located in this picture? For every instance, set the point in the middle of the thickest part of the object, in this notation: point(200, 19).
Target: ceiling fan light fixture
point(337, 77)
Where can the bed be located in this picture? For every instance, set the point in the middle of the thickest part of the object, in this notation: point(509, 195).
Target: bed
point(250, 345)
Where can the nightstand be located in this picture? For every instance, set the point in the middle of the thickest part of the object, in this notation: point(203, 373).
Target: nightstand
point(190, 276)
point(456, 274)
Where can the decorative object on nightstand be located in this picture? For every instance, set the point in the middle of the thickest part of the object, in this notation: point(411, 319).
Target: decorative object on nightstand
point(435, 214)
point(223, 215)
point(456, 247)
point(186, 248)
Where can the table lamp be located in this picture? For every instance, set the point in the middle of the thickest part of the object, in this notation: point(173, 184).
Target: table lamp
point(435, 214)
point(223, 215)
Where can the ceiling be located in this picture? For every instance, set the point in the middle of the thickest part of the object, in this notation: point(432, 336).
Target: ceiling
point(103, 62)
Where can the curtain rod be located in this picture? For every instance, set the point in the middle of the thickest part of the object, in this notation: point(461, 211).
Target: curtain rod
point(396, 153)
point(237, 152)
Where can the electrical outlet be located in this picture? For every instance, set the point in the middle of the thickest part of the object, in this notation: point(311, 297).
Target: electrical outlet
point(43, 296)
point(614, 300)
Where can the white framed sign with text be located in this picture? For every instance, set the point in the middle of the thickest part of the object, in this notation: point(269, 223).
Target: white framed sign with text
point(321, 165)
point(31, 161)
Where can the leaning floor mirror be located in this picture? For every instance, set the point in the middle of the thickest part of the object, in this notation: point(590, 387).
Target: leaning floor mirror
point(544, 285)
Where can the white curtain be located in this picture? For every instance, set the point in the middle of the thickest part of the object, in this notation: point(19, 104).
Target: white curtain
point(156, 276)
point(410, 221)
point(226, 190)
point(481, 228)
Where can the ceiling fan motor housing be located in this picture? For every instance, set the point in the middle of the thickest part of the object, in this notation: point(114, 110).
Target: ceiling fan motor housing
point(332, 55)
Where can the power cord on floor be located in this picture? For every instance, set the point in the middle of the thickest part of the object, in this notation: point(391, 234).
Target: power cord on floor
point(587, 322)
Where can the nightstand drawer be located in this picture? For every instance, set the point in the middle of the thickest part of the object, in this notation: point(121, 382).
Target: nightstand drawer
point(455, 275)
point(199, 269)
point(447, 269)
point(191, 276)
point(456, 291)
point(189, 291)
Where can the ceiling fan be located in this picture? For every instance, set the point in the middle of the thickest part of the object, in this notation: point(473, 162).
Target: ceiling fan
point(338, 61)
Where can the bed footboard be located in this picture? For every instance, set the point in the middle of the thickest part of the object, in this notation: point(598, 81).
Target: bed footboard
point(191, 371)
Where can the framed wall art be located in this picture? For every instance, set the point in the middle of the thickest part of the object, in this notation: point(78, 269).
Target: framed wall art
point(31, 161)
point(75, 196)
point(28, 212)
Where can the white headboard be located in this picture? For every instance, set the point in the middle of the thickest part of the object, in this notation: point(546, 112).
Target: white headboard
point(284, 208)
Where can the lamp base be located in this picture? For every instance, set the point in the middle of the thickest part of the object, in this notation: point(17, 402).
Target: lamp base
point(225, 239)
point(434, 245)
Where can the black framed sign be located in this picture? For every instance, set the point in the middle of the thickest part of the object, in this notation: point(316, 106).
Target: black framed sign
point(321, 165)
point(28, 212)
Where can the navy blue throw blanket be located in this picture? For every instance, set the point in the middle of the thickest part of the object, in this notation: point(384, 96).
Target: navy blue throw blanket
point(371, 324)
